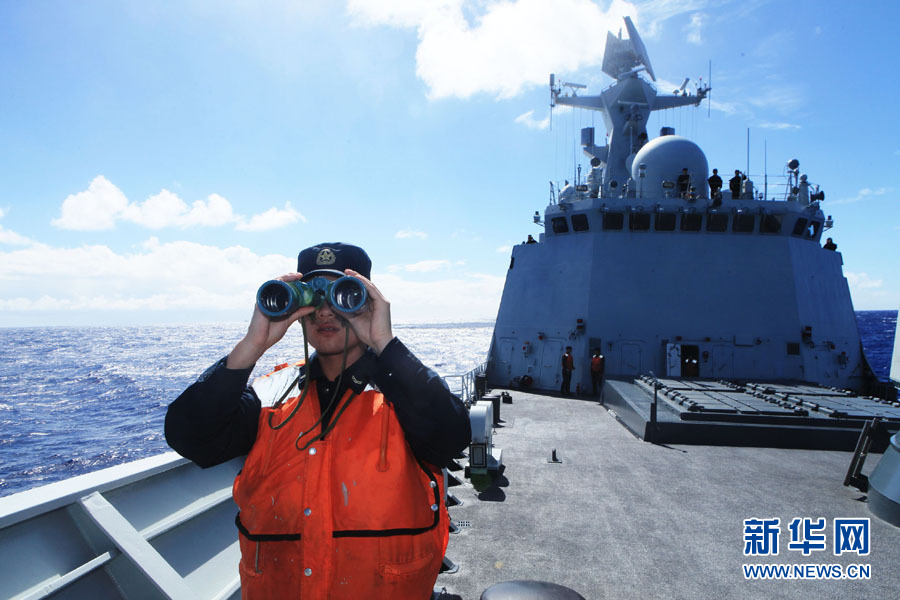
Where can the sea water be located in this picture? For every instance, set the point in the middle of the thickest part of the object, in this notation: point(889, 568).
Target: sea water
point(78, 399)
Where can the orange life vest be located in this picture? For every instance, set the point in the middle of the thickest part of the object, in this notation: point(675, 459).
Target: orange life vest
point(353, 515)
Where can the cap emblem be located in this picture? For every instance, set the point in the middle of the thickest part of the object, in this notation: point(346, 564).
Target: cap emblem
point(325, 257)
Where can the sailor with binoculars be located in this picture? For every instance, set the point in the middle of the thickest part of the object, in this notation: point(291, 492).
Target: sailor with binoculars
point(341, 494)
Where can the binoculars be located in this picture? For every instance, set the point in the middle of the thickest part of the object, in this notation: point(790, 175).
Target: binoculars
point(278, 299)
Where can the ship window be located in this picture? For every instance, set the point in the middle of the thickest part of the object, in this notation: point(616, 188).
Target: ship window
point(793, 348)
point(717, 222)
point(743, 223)
point(799, 227)
point(812, 230)
point(691, 221)
point(613, 220)
point(665, 221)
point(560, 225)
point(770, 224)
point(639, 221)
point(580, 222)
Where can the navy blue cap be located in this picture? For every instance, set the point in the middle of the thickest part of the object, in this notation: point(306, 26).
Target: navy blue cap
point(331, 259)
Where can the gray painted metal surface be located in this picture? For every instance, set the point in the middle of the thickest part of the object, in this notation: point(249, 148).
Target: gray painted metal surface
point(156, 528)
point(621, 518)
point(884, 484)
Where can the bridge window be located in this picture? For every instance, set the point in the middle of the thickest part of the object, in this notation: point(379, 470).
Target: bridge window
point(613, 220)
point(560, 225)
point(799, 227)
point(812, 230)
point(639, 221)
point(717, 222)
point(665, 221)
point(580, 222)
point(770, 224)
point(743, 223)
point(691, 221)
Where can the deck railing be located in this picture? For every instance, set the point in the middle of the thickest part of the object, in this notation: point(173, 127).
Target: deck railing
point(466, 385)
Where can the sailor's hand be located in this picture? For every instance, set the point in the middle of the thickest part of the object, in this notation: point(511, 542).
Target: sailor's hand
point(372, 324)
point(263, 333)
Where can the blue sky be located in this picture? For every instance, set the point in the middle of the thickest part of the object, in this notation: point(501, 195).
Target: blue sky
point(160, 160)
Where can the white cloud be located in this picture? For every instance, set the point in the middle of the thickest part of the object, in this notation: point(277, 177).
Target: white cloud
point(11, 237)
point(94, 209)
point(780, 96)
point(408, 233)
point(14, 239)
point(272, 219)
point(504, 249)
point(862, 281)
point(471, 298)
point(425, 266)
point(529, 121)
point(694, 28)
point(778, 126)
point(500, 48)
point(864, 194)
point(178, 278)
point(155, 277)
point(103, 204)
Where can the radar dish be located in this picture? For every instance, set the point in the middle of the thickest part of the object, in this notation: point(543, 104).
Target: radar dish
point(638, 47)
point(619, 57)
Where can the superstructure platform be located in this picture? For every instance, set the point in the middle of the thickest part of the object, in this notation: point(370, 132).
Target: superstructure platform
point(775, 414)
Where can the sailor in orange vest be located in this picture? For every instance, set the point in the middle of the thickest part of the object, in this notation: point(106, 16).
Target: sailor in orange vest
point(568, 365)
point(597, 365)
point(341, 495)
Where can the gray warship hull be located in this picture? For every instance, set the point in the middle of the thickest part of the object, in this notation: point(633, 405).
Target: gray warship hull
point(668, 273)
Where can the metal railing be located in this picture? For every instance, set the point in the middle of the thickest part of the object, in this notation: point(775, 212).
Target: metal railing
point(464, 385)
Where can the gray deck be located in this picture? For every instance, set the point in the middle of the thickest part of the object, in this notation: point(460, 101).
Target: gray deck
point(622, 518)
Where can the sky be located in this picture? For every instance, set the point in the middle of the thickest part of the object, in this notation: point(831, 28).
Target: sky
point(160, 160)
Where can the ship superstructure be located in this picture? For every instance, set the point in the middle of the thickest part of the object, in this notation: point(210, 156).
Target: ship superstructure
point(643, 261)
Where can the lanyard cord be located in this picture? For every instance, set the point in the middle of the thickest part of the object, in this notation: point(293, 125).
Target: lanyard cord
point(331, 403)
point(295, 382)
point(305, 391)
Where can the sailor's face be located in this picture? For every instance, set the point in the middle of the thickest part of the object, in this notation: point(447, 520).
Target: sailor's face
point(326, 331)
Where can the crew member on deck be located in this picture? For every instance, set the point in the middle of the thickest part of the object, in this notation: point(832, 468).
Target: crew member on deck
point(830, 245)
point(715, 188)
point(341, 495)
point(568, 365)
point(684, 182)
point(598, 362)
point(734, 184)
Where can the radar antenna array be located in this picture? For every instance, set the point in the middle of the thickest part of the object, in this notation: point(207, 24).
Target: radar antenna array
point(638, 46)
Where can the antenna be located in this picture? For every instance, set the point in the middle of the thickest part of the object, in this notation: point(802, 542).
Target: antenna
point(638, 46)
point(748, 153)
point(709, 93)
point(552, 99)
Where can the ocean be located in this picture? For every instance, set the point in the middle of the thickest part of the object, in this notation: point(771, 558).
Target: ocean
point(78, 399)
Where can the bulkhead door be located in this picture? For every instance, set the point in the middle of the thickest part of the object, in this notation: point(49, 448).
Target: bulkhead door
point(673, 360)
point(631, 359)
point(723, 361)
point(504, 356)
point(551, 364)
